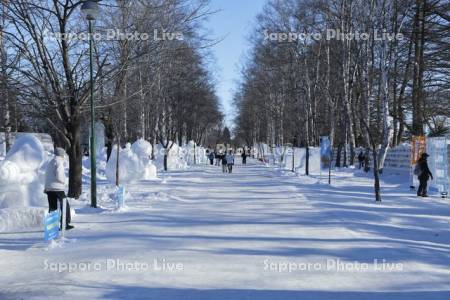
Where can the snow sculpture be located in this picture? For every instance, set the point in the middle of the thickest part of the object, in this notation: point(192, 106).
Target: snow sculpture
point(143, 150)
point(21, 184)
point(134, 163)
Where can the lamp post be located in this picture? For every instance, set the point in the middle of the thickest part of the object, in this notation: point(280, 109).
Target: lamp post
point(90, 11)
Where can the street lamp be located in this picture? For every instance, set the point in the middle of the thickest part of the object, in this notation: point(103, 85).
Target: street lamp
point(90, 11)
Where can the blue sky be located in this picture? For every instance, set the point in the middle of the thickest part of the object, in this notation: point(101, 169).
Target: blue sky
point(234, 22)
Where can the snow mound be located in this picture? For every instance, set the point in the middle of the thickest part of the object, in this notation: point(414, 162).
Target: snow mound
point(25, 218)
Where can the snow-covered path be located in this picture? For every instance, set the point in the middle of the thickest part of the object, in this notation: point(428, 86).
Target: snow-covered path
point(208, 235)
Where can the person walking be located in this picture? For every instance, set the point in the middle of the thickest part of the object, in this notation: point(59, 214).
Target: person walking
point(211, 158)
point(361, 159)
point(224, 163)
point(55, 185)
point(424, 174)
point(244, 157)
point(217, 156)
point(230, 161)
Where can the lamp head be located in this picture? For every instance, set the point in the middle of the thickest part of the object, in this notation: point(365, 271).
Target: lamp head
point(90, 9)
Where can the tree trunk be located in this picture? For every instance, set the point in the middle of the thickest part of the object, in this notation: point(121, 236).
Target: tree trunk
point(165, 162)
point(7, 119)
point(4, 88)
point(75, 159)
point(417, 96)
point(387, 127)
point(307, 160)
point(338, 156)
point(118, 162)
point(376, 175)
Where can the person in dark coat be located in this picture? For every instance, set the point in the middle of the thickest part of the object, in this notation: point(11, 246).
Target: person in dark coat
point(361, 159)
point(211, 157)
point(224, 164)
point(217, 156)
point(424, 176)
point(244, 157)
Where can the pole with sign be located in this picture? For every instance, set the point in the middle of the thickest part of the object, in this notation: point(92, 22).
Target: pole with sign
point(325, 156)
point(51, 225)
point(120, 197)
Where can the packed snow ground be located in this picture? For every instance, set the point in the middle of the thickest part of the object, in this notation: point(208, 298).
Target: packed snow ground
point(232, 236)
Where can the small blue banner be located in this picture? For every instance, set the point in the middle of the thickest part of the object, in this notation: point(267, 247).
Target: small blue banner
point(325, 152)
point(51, 225)
point(120, 197)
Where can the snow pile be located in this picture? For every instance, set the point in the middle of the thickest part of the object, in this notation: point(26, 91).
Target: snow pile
point(175, 157)
point(21, 182)
point(19, 219)
point(134, 163)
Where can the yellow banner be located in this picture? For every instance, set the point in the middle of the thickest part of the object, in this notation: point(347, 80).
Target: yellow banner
point(419, 146)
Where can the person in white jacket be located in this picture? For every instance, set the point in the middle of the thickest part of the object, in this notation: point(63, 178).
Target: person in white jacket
point(55, 185)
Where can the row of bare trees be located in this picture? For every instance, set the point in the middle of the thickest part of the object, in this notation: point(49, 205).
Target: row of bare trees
point(151, 75)
point(367, 73)
point(375, 89)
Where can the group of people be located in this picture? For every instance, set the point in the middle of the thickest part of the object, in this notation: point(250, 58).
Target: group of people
point(225, 159)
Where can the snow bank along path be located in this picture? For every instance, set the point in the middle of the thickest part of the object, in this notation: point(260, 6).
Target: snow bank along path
point(208, 235)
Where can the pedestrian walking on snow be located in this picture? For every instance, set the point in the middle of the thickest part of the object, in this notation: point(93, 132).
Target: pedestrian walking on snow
point(217, 156)
point(230, 161)
point(361, 159)
point(424, 174)
point(211, 158)
point(244, 157)
point(55, 185)
point(224, 164)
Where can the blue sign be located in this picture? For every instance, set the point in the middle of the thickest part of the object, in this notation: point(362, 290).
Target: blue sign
point(325, 152)
point(120, 197)
point(51, 223)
